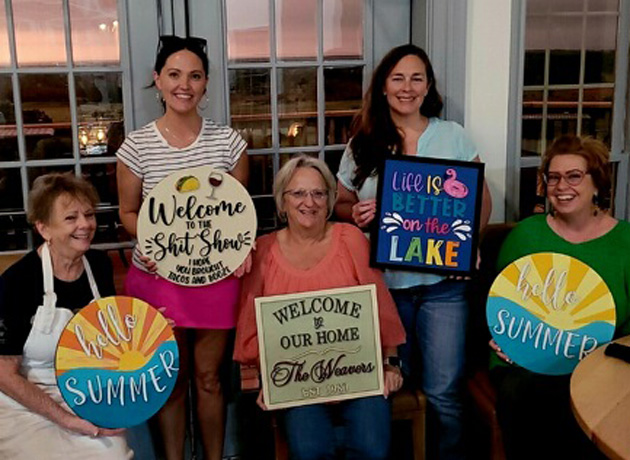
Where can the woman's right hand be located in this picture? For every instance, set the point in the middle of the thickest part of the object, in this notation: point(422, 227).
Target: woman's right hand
point(363, 212)
point(499, 352)
point(260, 400)
point(81, 426)
point(149, 264)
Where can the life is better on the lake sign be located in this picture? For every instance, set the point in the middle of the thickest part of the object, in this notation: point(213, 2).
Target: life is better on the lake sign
point(198, 225)
point(319, 346)
point(427, 216)
point(547, 311)
point(117, 362)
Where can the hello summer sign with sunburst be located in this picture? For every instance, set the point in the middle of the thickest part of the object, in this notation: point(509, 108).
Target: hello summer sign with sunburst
point(117, 362)
point(547, 311)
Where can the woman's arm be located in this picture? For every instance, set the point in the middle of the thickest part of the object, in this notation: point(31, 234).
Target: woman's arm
point(129, 196)
point(30, 396)
point(241, 169)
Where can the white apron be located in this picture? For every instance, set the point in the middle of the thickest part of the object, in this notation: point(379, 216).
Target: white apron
point(25, 435)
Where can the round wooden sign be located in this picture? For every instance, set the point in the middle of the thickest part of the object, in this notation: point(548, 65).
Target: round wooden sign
point(117, 362)
point(547, 311)
point(198, 225)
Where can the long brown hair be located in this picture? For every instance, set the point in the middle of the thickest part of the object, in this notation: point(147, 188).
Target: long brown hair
point(373, 130)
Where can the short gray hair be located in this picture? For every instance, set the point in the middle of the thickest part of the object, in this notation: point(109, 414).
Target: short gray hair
point(286, 173)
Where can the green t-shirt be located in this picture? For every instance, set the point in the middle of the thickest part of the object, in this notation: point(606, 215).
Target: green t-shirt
point(608, 255)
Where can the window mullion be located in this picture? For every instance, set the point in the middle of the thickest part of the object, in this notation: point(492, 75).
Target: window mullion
point(321, 97)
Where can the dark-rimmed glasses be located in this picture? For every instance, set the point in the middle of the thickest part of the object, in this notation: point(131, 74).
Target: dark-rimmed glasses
point(317, 195)
point(573, 177)
point(173, 41)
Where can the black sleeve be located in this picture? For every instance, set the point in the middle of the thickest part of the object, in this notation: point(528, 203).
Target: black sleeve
point(18, 303)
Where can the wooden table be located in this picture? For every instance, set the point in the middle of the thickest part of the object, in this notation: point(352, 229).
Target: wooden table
point(600, 399)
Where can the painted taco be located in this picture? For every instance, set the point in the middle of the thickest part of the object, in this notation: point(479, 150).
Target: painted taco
point(187, 184)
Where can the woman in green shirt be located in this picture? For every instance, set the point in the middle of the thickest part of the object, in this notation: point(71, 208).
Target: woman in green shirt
point(534, 409)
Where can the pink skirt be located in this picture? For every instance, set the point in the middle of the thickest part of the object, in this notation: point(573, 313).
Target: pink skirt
point(208, 307)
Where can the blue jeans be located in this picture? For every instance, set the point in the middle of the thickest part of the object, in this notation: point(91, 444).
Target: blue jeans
point(434, 317)
point(365, 425)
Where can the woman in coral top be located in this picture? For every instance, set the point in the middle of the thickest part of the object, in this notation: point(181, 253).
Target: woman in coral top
point(312, 254)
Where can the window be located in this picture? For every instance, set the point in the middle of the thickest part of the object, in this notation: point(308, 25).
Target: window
point(61, 105)
point(295, 78)
point(570, 81)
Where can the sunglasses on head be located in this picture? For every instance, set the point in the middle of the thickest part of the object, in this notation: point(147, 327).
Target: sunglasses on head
point(173, 41)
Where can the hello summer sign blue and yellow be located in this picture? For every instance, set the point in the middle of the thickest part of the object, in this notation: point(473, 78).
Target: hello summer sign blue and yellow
point(547, 311)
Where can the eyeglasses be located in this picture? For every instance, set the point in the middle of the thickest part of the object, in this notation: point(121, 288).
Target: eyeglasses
point(173, 41)
point(319, 196)
point(573, 177)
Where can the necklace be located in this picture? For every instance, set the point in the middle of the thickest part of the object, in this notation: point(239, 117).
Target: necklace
point(180, 141)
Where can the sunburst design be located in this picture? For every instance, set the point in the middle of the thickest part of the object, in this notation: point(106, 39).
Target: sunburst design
point(582, 298)
point(114, 333)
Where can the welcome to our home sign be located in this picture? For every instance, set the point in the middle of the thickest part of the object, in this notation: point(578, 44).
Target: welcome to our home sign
point(198, 225)
point(547, 311)
point(428, 215)
point(319, 346)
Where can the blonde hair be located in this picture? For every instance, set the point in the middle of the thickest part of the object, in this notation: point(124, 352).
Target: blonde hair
point(286, 173)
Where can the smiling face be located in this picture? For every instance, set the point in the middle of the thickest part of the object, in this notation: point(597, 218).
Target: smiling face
point(406, 86)
point(565, 198)
point(71, 227)
point(306, 212)
point(182, 81)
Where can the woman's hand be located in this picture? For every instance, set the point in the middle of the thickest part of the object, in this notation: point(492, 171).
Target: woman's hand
point(149, 264)
point(393, 380)
point(363, 212)
point(81, 426)
point(260, 400)
point(246, 266)
point(499, 352)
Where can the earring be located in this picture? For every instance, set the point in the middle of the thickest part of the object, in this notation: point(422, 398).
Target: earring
point(158, 97)
point(207, 101)
point(595, 204)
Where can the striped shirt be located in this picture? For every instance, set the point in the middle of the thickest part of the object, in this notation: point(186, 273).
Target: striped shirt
point(147, 154)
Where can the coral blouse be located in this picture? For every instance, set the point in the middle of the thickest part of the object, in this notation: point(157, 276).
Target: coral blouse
point(345, 264)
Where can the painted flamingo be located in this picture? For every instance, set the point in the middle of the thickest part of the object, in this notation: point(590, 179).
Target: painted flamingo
point(453, 187)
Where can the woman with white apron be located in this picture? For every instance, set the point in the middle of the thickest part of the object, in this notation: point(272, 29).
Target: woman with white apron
point(35, 422)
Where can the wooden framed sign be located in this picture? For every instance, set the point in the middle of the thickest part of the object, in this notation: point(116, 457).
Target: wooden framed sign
point(198, 225)
point(319, 346)
point(427, 215)
point(117, 362)
point(547, 311)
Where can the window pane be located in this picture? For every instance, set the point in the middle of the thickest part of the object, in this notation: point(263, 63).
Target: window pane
point(565, 42)
point(534, 68)
point(10, 190)
point(248, 30)
point(94, 28)
point(296, 29)
point(537, 7)
point(46, 113)
point(597, 113)
point(100, 113)
point(603, 5)
point(8, 130)
point(103, 178)
point(531, 143)
point(343, 89)
point(601, 42)
point(297, 106)
point(333, 158)
point(266, 213)
point(562, 113)
point(13, 232)
point(343, 29)
point(34, 172)
point(565, 6)
point(5, 55)
point(530, 193)
point(39, 33)
point(250, 105)
point(261, 183)
point(108, 227)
